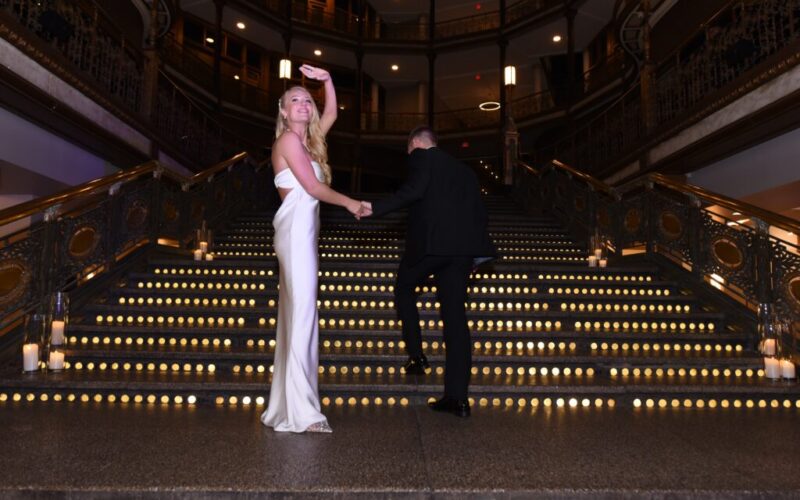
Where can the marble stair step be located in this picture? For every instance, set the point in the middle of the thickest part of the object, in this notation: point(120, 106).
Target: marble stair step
point(240, 336)
point(185, 358)
point(207, 387)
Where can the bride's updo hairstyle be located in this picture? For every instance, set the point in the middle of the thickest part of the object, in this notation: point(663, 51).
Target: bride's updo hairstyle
point(317, 145)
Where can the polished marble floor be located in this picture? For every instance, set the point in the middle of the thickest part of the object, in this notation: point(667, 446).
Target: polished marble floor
point(97, 451)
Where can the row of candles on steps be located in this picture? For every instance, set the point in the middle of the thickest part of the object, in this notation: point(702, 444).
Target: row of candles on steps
point(45, 336)
point(598, 257)
point(777, 365)
point(203, 239)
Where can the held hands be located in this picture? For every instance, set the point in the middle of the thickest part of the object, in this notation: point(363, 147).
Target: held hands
point(315, 73)
point(360, 209)
point(366, 208)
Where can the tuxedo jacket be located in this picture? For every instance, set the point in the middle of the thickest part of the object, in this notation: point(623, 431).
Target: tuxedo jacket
point(446, 214)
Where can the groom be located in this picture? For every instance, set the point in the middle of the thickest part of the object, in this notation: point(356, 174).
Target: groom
point(447, 233)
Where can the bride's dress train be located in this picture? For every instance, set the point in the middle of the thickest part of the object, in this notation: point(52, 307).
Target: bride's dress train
point(294, 397)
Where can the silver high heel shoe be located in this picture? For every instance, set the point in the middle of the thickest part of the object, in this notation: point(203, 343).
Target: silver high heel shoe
point(320, 427)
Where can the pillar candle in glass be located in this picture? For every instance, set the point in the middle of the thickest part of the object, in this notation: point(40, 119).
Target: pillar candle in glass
point(55, 359)
point(772, 368)
point(33, 344)
point(592, 261)
point(787, 369)
point(59, 314)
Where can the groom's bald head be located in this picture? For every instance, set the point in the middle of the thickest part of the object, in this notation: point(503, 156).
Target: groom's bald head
point(421, 137)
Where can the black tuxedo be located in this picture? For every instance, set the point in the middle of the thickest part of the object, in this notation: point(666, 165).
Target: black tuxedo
point(446, 216)
point(447, 230)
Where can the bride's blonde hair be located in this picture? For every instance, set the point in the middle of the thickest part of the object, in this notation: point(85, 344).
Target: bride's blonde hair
point(317, 145)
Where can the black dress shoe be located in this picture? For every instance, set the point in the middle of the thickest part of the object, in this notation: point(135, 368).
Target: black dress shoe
point(416, 365)
point(458, 407)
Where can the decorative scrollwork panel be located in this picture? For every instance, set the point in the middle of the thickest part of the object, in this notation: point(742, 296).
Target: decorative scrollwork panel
point(83, 241)
point(729, 252)
point(19, 271)
point(786, 279)
point(671, 225)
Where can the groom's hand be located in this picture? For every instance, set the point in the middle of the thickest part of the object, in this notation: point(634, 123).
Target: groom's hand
point(366, 209)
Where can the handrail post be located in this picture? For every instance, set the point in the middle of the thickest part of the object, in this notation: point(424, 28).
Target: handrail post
point(114, 224)
point(696, 236)
point(156, 209)
point(51, 256)
point(762, 262)
point(650, 218)
point(592, 225)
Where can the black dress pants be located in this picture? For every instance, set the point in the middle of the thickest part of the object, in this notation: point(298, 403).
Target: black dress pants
point(451, 276)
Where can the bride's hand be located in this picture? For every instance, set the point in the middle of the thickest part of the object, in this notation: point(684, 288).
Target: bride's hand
point(315, 73)
point(354, 207)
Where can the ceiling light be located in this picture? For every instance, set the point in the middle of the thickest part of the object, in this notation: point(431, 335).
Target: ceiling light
point(285, 69)
point(510, 74)
point(341, 107)
point(556, 38)
point(489, 106)
point(240, 25)
point(209, 39)
point(235, 77)
point(395, 67)
point(317, 52)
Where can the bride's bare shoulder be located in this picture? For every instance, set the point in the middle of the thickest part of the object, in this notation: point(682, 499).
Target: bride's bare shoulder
point(288, 140)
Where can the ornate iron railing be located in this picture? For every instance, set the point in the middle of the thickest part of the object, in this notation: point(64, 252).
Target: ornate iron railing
point(347, 23)
point(97, 52)
point(187, 62)
point(84, 231)
point(749, 252)
point(80, 31)
point(714, 61)
point(467, 25)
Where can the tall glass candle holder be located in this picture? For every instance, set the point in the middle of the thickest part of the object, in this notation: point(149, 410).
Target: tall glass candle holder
point(768, 338)
point(59, 314)
point(34, 343)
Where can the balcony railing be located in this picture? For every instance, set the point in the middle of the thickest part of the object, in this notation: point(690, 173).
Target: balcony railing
point(80, 32)
point(96, 51)
point(347, 23)
point(712, 62)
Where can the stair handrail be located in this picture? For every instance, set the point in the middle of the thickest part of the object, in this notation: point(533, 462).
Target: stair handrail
point(674, 221)
point(597, 184)
point(88, 230)
point(762, 214)
point(28, 208)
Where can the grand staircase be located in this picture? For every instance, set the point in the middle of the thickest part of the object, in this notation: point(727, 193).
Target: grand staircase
point(547, 330)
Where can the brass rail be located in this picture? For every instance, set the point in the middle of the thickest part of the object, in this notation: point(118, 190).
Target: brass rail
point(32, 207)
point(597, 184)
point(771, 218)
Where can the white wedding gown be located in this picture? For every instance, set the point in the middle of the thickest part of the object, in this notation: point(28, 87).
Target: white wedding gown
point(294, 397)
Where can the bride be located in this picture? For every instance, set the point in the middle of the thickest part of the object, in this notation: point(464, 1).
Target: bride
point(303, 177)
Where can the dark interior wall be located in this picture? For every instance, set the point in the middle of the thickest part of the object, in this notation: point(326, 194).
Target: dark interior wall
point(680, 22)
point(126, 17)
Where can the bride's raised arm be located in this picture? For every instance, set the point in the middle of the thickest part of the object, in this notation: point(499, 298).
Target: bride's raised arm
point(330, 112)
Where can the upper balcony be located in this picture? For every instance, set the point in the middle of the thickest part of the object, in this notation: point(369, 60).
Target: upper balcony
point(346, 26)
